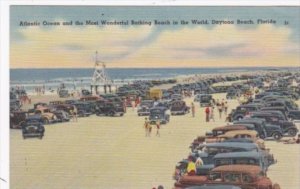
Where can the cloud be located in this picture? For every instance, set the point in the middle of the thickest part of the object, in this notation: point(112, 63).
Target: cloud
point(146, 46)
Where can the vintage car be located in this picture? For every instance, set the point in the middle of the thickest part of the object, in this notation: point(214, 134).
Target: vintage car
point(205, 100)
point(106, 108)
point(287, 127)
point(159, 114)
point(243, 158)
point(217, 131)
point(207, 152)
point(63, 93)
point(65, 107)
point(61, 115)
point(143, 111)
point(46, 115)
point(33, 129)
point(179, 108)
point(241, 111)
point(244, 176)
point(223, 129)
point(84, 109)
point(264, 130)
point(17, 118)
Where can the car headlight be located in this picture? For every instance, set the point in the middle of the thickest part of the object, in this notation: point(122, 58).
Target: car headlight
point(54, 117)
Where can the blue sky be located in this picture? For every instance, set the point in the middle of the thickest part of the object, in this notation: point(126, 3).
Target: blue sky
point(82, 13)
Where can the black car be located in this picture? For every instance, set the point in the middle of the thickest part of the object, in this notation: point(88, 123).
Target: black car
point(179, 108)
point(109, 108)
point(33, 129)
point(271, 118)
point(264, 130)
point(143, 111)
point(84, 109)
point(294, 115)
point(63, 93)
point(61, 115)
point(159, 114)
point(17, 119)
point(205, 100)
point(241, 111)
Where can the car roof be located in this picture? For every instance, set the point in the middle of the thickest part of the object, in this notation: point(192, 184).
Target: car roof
point(232, 144)
point(249, 169)
point(251, 154)
point(229, 128)
point(295, 111)
point(250, 120)
point(242, 132)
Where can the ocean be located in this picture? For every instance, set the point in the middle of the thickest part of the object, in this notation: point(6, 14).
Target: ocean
point(72, 78)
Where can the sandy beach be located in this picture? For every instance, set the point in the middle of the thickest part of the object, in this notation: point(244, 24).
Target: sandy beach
point(106, 152)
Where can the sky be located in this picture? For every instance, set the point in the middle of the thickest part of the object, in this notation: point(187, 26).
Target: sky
point(188, 45)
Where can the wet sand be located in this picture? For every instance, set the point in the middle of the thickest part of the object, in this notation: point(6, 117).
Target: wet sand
point(106, 152)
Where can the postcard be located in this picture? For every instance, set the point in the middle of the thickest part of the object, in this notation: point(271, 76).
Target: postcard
point(144, 97)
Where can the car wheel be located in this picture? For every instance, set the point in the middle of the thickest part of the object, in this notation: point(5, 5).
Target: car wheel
point(24, 137)
point(121, 115)
point(41, 137)
point(292, 132)
point(111, 114)
point(277, 136)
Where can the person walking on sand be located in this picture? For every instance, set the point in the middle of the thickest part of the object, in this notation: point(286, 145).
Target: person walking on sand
point(146, 125)
point(225, 108)
point(193, 109)
point(157, 128)
point(149, 129)
point(74, 112)
point(219, 106)
point(212, 113)
point(207, 113)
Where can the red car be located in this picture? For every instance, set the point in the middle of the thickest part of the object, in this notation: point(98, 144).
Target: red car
point(244, 176)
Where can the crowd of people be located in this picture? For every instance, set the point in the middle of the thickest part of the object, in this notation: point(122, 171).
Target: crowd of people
point(221, 106)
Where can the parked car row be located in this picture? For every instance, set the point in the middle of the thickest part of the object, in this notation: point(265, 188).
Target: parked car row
point(226, 152)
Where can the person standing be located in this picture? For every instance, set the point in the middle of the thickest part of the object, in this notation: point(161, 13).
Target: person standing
point(212, 113)
point(225, 108)
point(193, 109)
point(75, 114)
point(219, 106)
point(157, 128)
point(146, 125)
point(207, 113)
point(149, 129)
